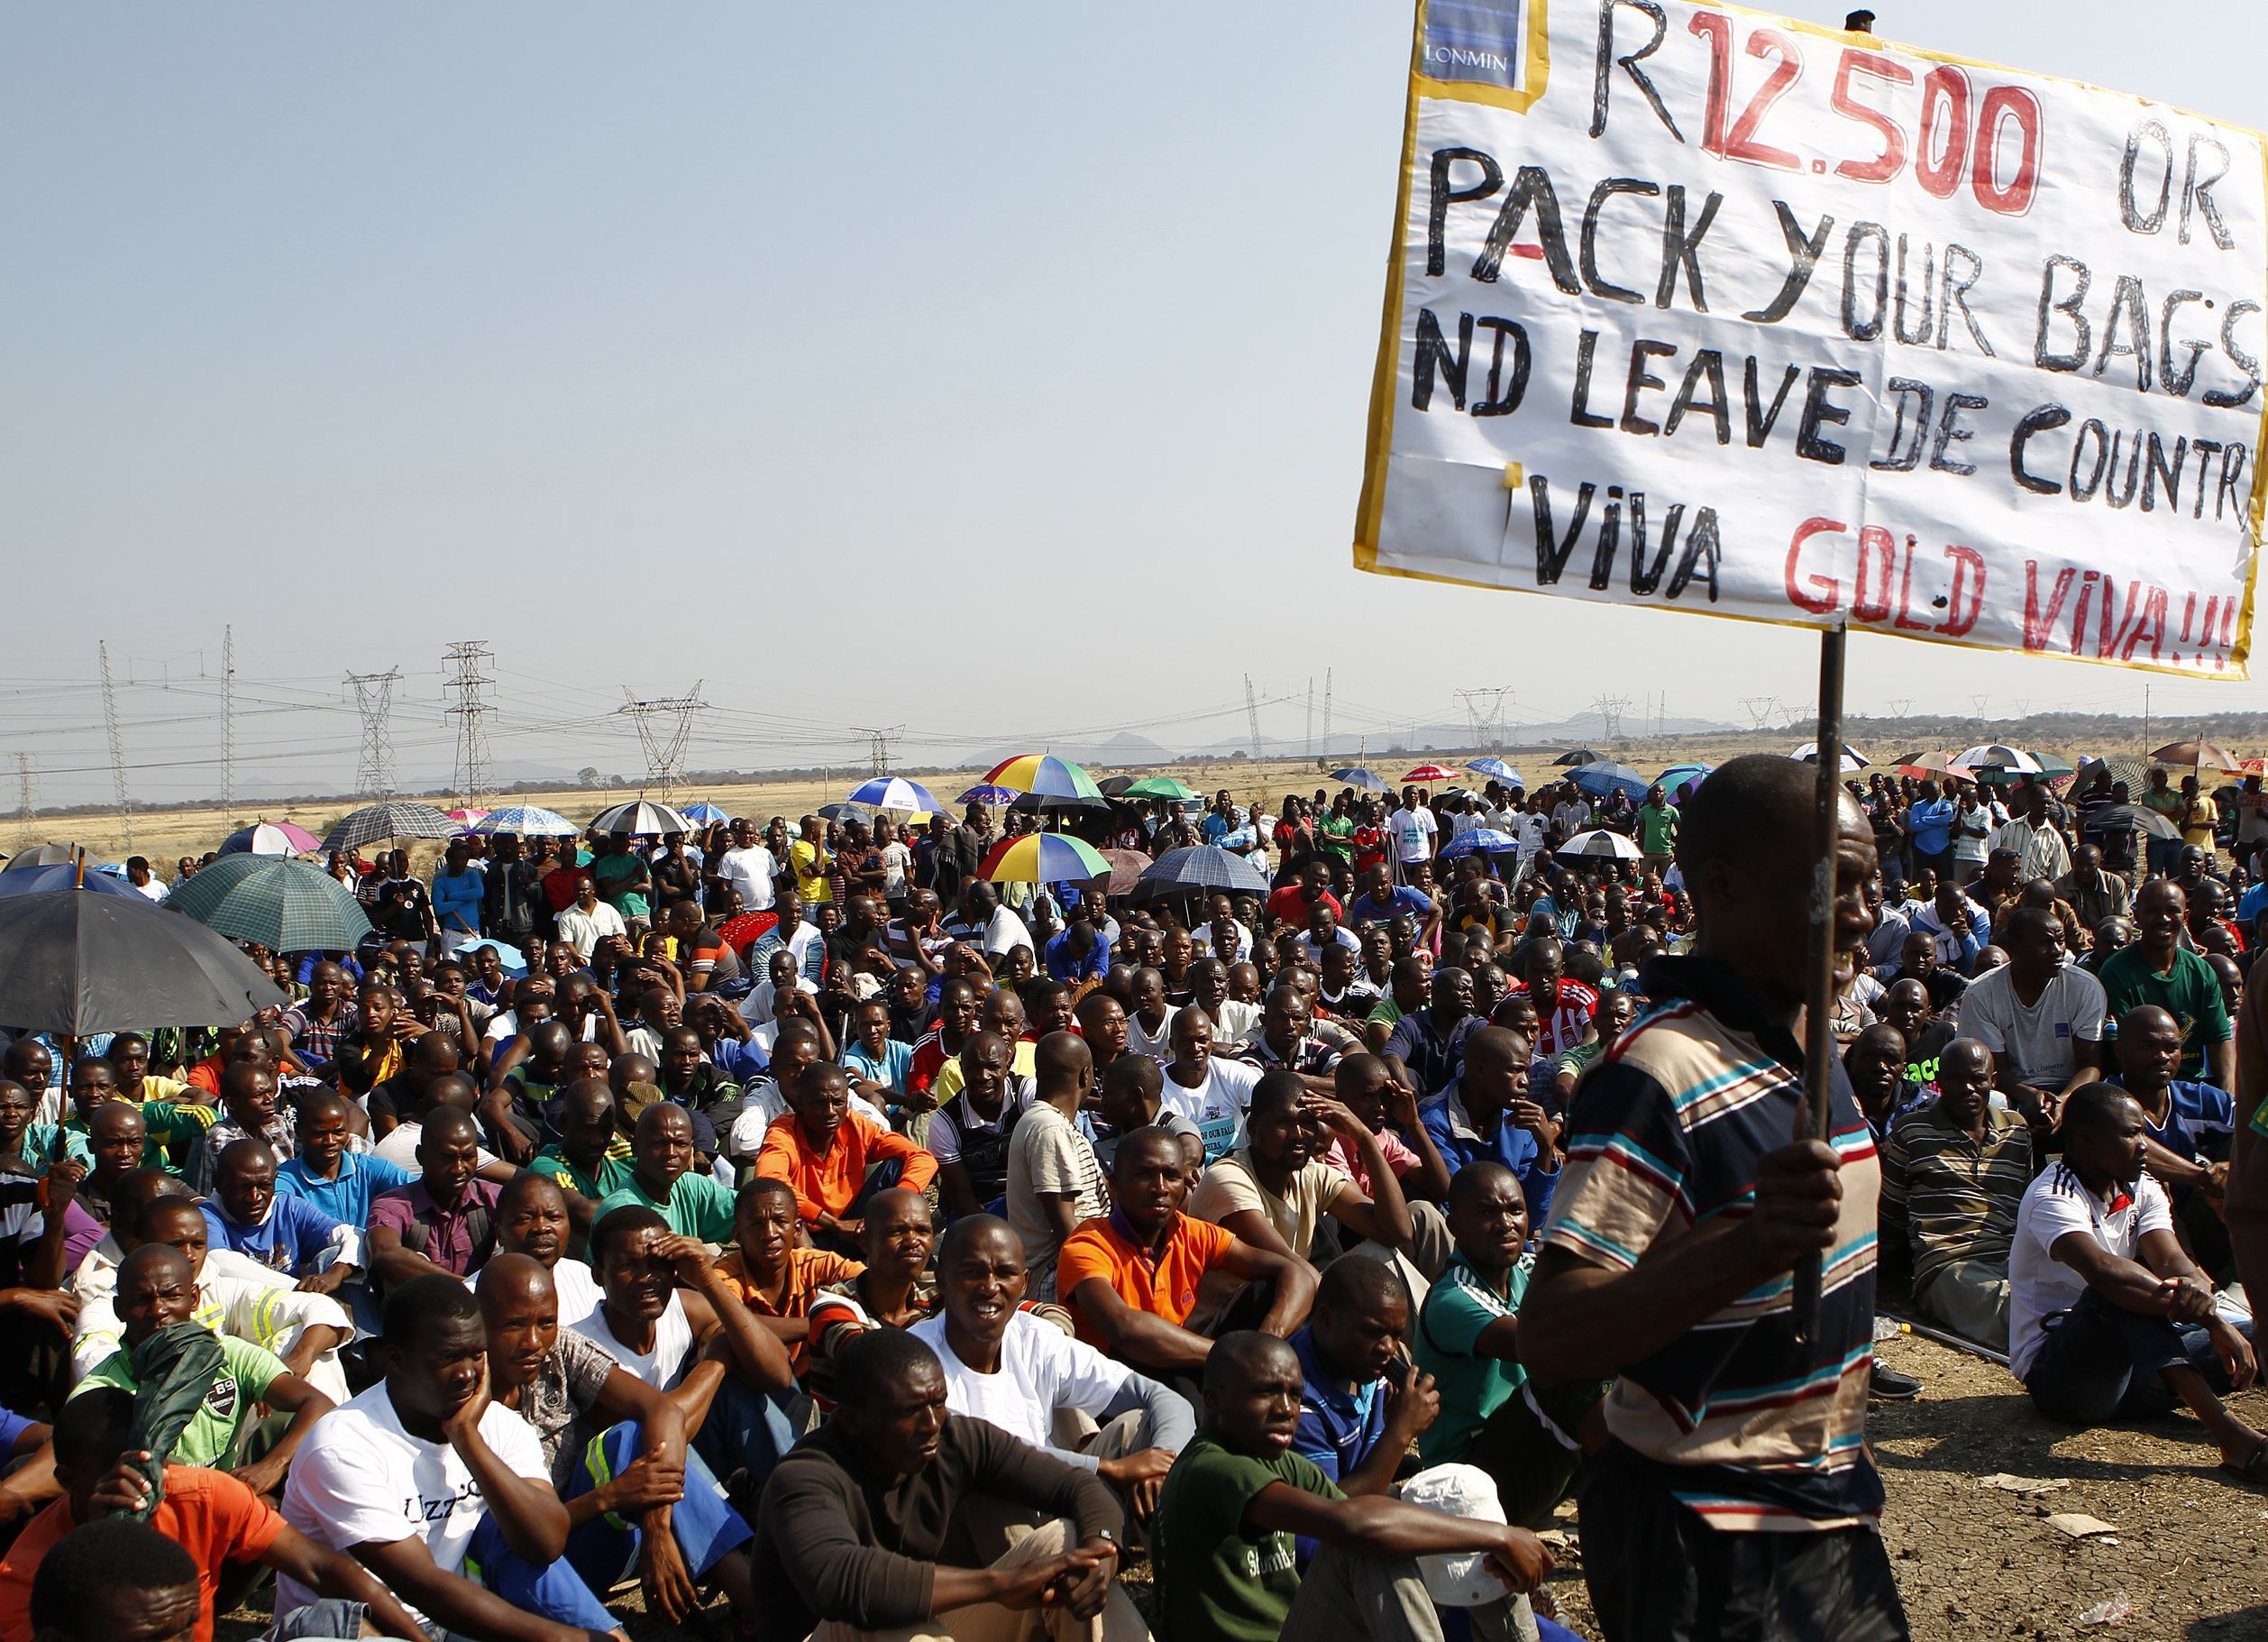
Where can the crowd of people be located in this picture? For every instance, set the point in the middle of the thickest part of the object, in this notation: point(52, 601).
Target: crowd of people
point(799, 1220)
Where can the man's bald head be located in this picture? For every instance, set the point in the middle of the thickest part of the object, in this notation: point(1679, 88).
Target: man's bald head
point(1496, 1049)
point(449, 1125)
point(1062, 1060)
point(156, 1258)
point(508, 1279)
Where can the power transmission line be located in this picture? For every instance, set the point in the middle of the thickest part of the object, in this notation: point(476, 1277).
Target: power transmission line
point(664, 753)
point(1327, 679)
point(228, 722)
point(469, 657)
point(878, 742)
point(23, 783)
point(374, 698)
point(1252, 717)
point(118, 751)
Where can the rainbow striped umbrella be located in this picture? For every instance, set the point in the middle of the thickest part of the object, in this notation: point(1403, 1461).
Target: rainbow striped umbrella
point(1043, 858)
point(1046, 776)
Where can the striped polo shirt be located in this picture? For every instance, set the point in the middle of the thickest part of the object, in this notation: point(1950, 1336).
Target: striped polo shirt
point(1744, 1427)
point(1956, 1197)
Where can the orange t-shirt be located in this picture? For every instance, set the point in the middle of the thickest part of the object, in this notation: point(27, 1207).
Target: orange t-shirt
point(809, 1272)
point(831, 1181)
point(209, 1514)
point(1165, 1287)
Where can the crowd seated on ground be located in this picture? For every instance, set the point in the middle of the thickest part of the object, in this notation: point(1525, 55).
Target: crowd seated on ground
point(904, 1261)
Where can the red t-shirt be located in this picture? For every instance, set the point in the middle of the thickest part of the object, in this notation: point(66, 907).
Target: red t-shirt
point(1292, 906)
point(209, 1514)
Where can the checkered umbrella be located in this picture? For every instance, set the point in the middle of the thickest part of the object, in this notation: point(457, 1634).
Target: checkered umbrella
point(1205, 866)
point(526, 820)
point(285, 905)
point(396, 818)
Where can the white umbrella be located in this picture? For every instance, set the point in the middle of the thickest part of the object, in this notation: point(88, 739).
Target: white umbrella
point(1996, 758)
point(639, 816)
point(1853, 760)
point(1600, 845)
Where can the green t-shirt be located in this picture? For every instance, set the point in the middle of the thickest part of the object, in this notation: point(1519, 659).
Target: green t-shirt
point(554, 1165)
point(214, 1431)
point(172, 1133)
point(1456, 1308)
point(2189, 992)
point(1658, 829)
point(1339, 836)
point(1217, 1577)
point(609, 871)
point(699, 1205)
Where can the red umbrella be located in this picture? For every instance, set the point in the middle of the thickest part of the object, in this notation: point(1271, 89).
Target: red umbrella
point(1127, 866)
point(1430, 772)
point(746, 930)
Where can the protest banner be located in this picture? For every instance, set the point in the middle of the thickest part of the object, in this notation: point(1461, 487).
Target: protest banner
point(1701, 309)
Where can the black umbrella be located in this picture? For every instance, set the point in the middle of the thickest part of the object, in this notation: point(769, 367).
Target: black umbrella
point(1049, 803)
point(75, 963)
point(1115, 787)
point(1581, 756)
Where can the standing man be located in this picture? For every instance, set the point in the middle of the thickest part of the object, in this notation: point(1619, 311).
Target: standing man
point(1753, 1512)
point(457, 892)
point(1657, 828)
point(2040, 853)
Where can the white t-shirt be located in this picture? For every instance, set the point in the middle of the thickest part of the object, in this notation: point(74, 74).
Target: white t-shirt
point(750, 871)
point(1141, 1040)
point(579, 1296)
point(360, 1477)
point(2055, 1206)
point(897, 861)
point(2042, 1038)
point(1005, 934)
point(1202, 938)
point(399, 1148)
point(665, 1364)
point(1217, 1106)
point(1412, 832)
point(1235, 1026)
point(1041, 1369)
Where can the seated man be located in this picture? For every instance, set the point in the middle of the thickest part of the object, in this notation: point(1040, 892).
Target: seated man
point(2107, 1318)
point(1209, 1089)
point(853, 1530)
point(892, 1289)
point(174, 1127)
point(672, 1319)
point(532, 1219)
point(289, 1234)
point(1274, 1192)
point(2191, 1129)
point(1133, 1098)
point(1469, 1339)
point(775, 1277)
point(1131, 1278)
point(636, 1499)
point(221, 1524)
point(1954, 1172)
point(235, 1295)
point(2041, 1017)
point(446, 1222)
point(971, 1132)
point(157, 1290)
point(1021, 1372)
point(694, 1203)
point(1238, 1496)
point(248, 1094)
point(835, 1159)
point(328, 1174)
point(1489, 1112)
point(118, 1139)
point(1362, 1402)
point(1054, 1183)
point(424, 1476)
point(592, 1158)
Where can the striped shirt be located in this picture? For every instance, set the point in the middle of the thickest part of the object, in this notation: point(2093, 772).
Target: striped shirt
point(1745, 1426)
point(1570, 1021)
point(1957, 1197)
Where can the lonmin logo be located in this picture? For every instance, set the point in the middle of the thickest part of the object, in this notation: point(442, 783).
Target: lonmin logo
point(1464, 57)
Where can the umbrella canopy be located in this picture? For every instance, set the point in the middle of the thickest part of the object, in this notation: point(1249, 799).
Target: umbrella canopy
point(88, 963)
point(48, 854)
point(270, 837)
point(466, 819)
point(1046, 775)
point(1581, 756)
point(986, 793)
point(746, 929)
point(1043, 858)
point(1923, 766)
point(896, 793)
point(1478, 841)
point(526, 820)
point(38, 880)
point(1676, 782)
point(708, 814)
point(1601, 779)
point(1430, 772)
point(1853, 758)
point(1161, 786)
point(2136, 817)
point(1205, 866)
point(639, 816)
point(285, 905)
point(2123, 766)
point(396, 818)
point(1049, 803)
point(1114, 786)
point(513, 961)
point(843, 811)
point(2198, 755)
point(1497, 769)
point(1600, 845)
point(1994, 756)
point(1355, 776)
point(1126, 867)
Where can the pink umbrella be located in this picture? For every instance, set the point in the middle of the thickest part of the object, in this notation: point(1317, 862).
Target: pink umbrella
point(270, 837)
point(466, 819)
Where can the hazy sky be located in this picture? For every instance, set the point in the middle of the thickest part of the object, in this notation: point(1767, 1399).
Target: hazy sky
point(990, 370)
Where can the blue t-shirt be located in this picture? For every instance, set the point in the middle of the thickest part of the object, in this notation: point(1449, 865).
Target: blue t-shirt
point(889, 1069)
point(2201, 1120)
point(347, 1199)
point(1338, 1428)
point(1932, 825)
point(291, 1239)
point(1460, 1143)
point(1366, 908)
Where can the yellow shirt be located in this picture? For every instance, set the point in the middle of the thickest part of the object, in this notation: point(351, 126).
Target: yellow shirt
point(949, 1083)
point(810, 863)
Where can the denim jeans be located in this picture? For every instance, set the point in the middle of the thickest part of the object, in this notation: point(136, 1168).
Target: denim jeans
point(2100, 1362)
point(605, 1548)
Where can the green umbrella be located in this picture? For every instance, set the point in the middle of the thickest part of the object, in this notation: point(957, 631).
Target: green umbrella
point(285, 905)
point(1159, 787)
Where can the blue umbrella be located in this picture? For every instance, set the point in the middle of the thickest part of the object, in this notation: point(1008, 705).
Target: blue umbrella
point(1205, 866)
point(32, 880)
point(995, 796)
point(704, 812)
point(1497, 769)
point(1601, 779)
point(896, 793)
point(1481, 840)
point(527, 820)
point(1678, 781)
point(1356, 776)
